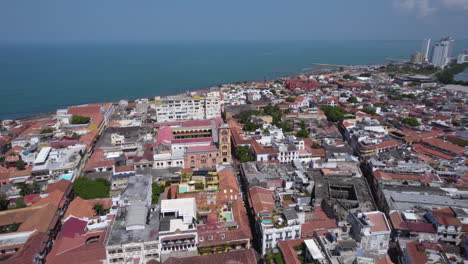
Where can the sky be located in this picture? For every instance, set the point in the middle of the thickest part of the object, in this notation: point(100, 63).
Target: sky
point(30, 21)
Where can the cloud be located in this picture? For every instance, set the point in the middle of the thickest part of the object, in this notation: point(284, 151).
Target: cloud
point(456, 3)
point(422, 7)
point(427, 7)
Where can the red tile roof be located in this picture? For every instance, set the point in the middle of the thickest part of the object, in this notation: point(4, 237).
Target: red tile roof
point(378, 221)
point(261, 199)
point(431, 152)
point(416, 252)
point(438, 143)
point(289, 253)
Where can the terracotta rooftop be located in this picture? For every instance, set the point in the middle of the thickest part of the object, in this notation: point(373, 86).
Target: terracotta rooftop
point(262, 199)
point(378, 221)
point(440, 144)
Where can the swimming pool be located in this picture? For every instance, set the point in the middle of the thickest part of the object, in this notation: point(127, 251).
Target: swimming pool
point(183, 189)
point(228, 216)
point(67, 176)
point(267, 221)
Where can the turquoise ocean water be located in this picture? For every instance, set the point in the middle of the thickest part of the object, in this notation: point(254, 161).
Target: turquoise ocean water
point(44, 77)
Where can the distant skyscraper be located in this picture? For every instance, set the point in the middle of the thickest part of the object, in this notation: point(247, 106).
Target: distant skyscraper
point(463, 57)
point(442, 52)
point(425, 48)
point(417, 58)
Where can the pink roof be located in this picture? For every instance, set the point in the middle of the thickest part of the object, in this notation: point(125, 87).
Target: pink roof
point(192, 140)
point(74, 226)
point(202, 148)
point(165, 134)
point(196, 123)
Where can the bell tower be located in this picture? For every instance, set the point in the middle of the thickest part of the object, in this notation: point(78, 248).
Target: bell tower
point(224, 134)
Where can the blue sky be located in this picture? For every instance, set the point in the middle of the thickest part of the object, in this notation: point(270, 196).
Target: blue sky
point(156, 20)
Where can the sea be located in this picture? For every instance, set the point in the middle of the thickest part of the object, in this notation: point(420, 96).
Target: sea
point(41, 78)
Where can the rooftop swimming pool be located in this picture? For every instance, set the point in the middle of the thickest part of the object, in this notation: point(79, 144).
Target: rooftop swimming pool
point(67, 176)
point(183, 189)
point(228, 216)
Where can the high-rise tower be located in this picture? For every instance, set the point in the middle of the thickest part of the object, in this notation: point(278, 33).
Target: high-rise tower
point(425, 48)
point(442, 52)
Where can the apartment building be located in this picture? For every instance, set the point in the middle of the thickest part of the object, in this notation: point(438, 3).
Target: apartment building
point(177, 108)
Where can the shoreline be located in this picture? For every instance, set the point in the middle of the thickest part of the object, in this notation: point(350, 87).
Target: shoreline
point(43, 115)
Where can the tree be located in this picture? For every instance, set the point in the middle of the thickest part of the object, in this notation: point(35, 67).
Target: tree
point(251, 126)
point(25, 188)
point(365, 74)
point(199, 186)
point(91, 189)
point(3, 202)
point(47, 130)
point(348, 77)
point(282, 92)
point(369, 111)
point(244, 154)
point(410, 121)
point(98, 209)
point(333, 113)
point(28, 189)
point(36, 187)
point(19, 203)
point(290, 99)
point(353, 100)
point(343, 95)
point(273, 91)
point(20, 165)
point(79, 120)
point(157, 189)
point(286, 126)
point(302, 133)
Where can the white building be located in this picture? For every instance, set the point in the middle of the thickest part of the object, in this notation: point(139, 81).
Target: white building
point(463, 57)
point(442, 52)
point(425, 49)
point(178, 230)
point(133, 238)
point(372, 230)
point(177, 108)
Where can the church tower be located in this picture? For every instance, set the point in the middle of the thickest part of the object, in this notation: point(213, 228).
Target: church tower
point(224, 134)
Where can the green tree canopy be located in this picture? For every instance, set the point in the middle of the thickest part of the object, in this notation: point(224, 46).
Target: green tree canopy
point(333, 113)
point(98, 209)
point(410, 121)
point(353, 100)
point(47, 130)
point(244, 154)
point(302, 133)
point(91, 189)
point(78, 120)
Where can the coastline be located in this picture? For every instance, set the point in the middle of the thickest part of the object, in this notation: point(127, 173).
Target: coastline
point(42, 115)
point(319, 70)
